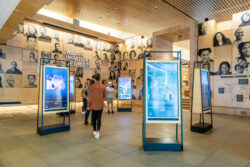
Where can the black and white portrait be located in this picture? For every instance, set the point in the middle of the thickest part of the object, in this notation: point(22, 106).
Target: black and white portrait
point(125, 56)
point(98, 64)
point(32, 31)
point(79, 72)
point(105, 57)
point(113, 67)
point(140, 56)
point(245, 19)
point(239, 33)
point(2, 55)
point(57, 61)
point(32, 57)
point(46, 56)
point(79, 42)
point(96, 45)
point(149, 46)
point(104, 47)
point(57, 36)
point(224, 69)
point(10, 82)
point(204, 54)
point(43, 33)
point(132, 74)
point(96, 56)
point(112, 57)
point(242, 66)
point(78, 83)
point(1, 82)
point(13, 69)
point(203, 28)
point(132, 44)
point(220, 40)
point(19, 29)
point(31, 82)
point(124, 65)
point(31, 42)
point(57, 48)
point(70, 39)
point(1, 69)
point(132, 54)
point(88, 44)
point(117, 49)
point(141, 44)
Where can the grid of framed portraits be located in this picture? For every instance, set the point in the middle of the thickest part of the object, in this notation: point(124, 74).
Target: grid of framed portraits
point(227, 54)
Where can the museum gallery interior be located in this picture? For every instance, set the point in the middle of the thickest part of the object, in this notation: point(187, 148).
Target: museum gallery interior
point(138, 83)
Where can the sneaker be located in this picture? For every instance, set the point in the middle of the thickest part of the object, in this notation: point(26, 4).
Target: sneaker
point(113, 112)
point(94, 133)
point(86, 123)
point(83, 112)
point(97, 136)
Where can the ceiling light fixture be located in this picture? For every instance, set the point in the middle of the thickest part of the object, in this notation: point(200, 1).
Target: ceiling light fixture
point(116, 9)
point(156, 7)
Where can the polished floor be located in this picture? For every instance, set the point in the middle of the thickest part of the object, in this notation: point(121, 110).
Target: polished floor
point(227, 145)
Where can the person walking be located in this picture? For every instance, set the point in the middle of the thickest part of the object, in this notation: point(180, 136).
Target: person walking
point(97, 95)
point(87, 108)
point(110, 92)
point(85, 92)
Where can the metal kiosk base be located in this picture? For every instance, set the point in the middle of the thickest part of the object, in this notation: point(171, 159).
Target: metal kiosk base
point(154, 144)
point(52, 129)
point(124, 109)
point(201, 128)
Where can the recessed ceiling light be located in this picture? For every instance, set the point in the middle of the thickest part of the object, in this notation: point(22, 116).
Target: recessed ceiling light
point(156, 7)
point(116, 8)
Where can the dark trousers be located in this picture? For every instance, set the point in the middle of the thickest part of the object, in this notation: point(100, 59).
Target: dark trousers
point(97, 116)
point(87, 116)
point(84, 106)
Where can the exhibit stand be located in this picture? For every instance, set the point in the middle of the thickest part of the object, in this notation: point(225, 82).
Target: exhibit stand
point(72, 94)
point(53, 96)
point(124, 100)
point(201, 100)
point(163, 102)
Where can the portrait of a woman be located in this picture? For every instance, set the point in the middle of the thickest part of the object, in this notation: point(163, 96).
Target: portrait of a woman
point(220, 40)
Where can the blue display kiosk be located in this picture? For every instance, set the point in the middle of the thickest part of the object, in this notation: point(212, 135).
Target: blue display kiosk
point(124, 94)
point(163, 100)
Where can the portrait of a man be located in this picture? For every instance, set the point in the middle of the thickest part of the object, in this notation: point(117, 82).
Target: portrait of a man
point(13, 69)
point(79, 72)
point(32, 57)
point(79, 42)
point(31, 41)
point(203, 28)
point(205, 55)
point(57, 48)
point(32, 31)
point(19, 29)
point(2, 55)
point(10, 82)
point(70, 39)
point(31, 82)
point(57, 36)
point(43, 33)
point(57, 61)
point(46, 56)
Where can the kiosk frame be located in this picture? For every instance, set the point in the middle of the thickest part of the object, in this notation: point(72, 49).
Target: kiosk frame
point(73, 102)
point(163, 144)
point(118, 100)
point(54, 128)
point(201, 126)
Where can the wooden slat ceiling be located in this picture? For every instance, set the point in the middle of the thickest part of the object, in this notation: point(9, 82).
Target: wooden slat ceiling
point(142, 17)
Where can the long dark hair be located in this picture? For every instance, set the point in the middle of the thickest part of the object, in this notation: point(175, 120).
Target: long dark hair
point(240, 46)
point(112, 77)
point(216, 42)
point(226, 63)
point(130, 54)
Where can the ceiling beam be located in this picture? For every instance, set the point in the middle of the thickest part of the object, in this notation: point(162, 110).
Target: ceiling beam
point(71, 28)
point(25, 8)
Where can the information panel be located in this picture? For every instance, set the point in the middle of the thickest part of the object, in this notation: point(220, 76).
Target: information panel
point(205, 90)
point(55, 89)
point(124, 88)
point(162, 92)
point(72, 88)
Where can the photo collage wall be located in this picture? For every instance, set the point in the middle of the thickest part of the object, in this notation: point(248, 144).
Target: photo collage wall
point(227, 54)
point(20, 59)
